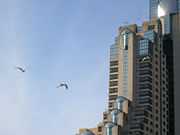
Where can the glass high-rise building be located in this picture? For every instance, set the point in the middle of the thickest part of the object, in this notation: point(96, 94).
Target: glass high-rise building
point(168, 6)
point(144, 74)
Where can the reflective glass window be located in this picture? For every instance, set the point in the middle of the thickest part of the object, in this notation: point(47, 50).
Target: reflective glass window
point(115, 115)
point(136, 126)
point(112, 70)
point(109, 127)
point(113, 90)
point(115, 76)
point(114, 83)
point(145, 86)
point(113, 63)
point(114, 49)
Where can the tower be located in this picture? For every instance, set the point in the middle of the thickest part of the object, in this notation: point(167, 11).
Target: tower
point(143, 78)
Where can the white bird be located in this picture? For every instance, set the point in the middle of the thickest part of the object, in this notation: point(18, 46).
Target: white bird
point(146, 58)
point(62, 84)
point(21, 69)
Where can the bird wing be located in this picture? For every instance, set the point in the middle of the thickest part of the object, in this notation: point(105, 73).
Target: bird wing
point(17, 68)
point(62, 84)
point(66, 86)
point(58, 86)
point(22, 70)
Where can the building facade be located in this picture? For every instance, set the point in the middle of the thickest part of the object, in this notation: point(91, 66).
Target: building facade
point(144, 77)
point(166, 6)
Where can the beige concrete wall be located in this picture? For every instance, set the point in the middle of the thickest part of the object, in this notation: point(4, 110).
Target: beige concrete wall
point(131, 63)
point(93, 130)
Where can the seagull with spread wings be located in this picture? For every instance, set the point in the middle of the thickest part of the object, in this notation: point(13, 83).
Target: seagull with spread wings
point(21, 69)
point(62, 84)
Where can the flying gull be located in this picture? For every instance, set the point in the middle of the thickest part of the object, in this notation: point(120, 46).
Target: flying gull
point(21, 69)
point(62, 84)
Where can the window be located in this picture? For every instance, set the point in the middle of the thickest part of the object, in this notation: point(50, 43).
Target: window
point(113, 97)
point(113, 63)
point(156, 90)
point(110, 105)
point(145, 65)
point(114, 83)
point(135, 133)
point(147, 128)
point(148, 107)
point(113, 90)
point(144, 120)
point(164, 109)
point(145, 79)
point(145, 86)
point(156, 111)
point(163, 82)
point(156, 62)
point(146, 47)
point(139, 29)
point(125, 73)
point(145, 101)
point(115, 76)
point(145, 72)
point(156, 83)
point(141, 113)
point(164, 102)
point(150, 27)
point(149, 35)
point(136, 126)
point(109, 127)
point(114, 49)
point(104, 116)
point(145, 93)
point(112, 70)
point(156, 118)
point(99, 129)
point(125, 35)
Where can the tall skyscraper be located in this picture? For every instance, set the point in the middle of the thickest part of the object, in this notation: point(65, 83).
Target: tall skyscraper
point(144, 74)
point(164, 7)
point(170, 9)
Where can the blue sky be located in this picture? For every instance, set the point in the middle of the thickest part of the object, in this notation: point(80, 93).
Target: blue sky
point(58, 41)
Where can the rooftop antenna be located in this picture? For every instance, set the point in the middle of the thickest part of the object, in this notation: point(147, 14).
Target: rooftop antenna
point(125, 23)
point(137, 19)
point(146, 19)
